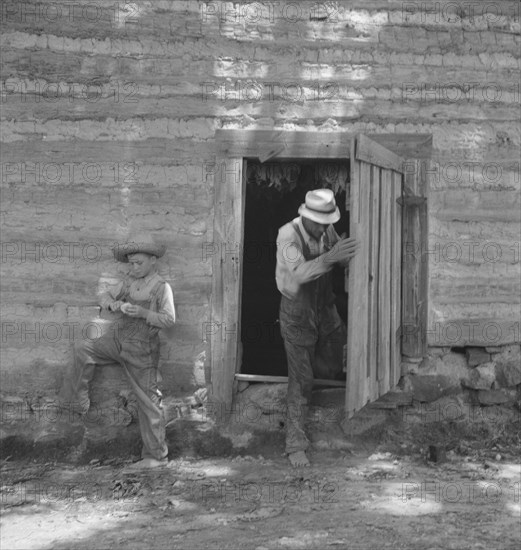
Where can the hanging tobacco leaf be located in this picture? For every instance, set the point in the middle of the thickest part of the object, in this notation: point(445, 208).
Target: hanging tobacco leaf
point(284, 177)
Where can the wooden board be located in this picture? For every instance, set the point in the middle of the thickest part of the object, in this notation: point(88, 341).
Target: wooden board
point(334, 145)
point(227, 274)
point(356, 285)
point(371, 152)
point(396, 280)
point(256, 143)
point(374, 272)
point(384, 284)
point(284, 380)
point(373, 350)
point(414, 265)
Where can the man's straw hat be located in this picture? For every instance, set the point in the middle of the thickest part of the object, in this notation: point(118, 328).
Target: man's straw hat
point(320, 207)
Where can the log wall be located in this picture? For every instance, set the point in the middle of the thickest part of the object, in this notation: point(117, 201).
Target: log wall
point(109, 112)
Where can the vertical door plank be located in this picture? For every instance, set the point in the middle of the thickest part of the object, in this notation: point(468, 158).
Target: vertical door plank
point(373, 237)
point(365, 220)
point(396, 265)
point(384, 283)
point(352, 369)
point(358, 287)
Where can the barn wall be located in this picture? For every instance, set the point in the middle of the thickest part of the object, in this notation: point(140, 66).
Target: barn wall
point(109, 111)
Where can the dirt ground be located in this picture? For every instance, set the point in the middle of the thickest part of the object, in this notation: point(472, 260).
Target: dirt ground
point(383, 493)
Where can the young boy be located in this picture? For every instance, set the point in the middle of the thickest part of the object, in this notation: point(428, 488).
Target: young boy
point(143, 303)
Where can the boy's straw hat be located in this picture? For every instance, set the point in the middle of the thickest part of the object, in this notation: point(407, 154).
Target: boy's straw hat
point(139, 243)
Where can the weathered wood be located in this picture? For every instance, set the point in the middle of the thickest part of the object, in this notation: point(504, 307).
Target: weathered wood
point(384, 283)
point(240, 210)
point(396, 280)
point(373, 237)
point(375, 279)
point(154, 151)
point(162, 151)
point(163, 20)
point(47, 62)
point(369, 151)
point(423, 238)
point(414, 265)
point(227, 275)
point(417, 146)
point(152, 104)
point(284, 380)
point(275, 147)
point(355, 301)
point(358, 328)
point(248, 143)
point(412, 345)
point(346, 270)
point(363, 318)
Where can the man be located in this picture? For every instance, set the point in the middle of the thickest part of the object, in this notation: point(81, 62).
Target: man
point(314, 336)
point(143, 304)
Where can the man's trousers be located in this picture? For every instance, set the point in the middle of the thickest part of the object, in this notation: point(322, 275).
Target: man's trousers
point(314, 339)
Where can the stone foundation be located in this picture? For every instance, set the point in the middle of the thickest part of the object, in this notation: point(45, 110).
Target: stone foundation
point(489, 375)
point(449, 385)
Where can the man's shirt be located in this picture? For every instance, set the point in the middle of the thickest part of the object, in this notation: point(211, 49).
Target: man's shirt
point(292, 269)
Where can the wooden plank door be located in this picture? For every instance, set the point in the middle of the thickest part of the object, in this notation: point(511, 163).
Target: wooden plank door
point(374, 286)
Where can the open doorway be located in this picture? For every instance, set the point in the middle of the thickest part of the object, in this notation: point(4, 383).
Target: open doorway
point(274, 192)
point(388, 184)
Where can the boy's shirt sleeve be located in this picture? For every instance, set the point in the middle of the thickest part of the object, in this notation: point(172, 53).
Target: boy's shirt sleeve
point(164, 317)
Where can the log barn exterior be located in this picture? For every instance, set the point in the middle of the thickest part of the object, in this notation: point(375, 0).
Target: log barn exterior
point(119, 116)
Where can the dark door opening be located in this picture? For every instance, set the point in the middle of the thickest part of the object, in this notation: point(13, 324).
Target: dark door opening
point(274, 192)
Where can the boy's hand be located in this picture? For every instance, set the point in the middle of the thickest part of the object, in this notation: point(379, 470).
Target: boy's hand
point(115, 306)
point(135, 311)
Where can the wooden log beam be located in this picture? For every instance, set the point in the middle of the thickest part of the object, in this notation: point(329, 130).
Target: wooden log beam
point(284, 380)
point(333, 145)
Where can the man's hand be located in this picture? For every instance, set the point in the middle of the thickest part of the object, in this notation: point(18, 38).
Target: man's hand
point(135, 311)
point(343, 251)
point(115, 306)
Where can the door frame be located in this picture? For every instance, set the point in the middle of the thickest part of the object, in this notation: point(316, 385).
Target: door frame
point(233, 147)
